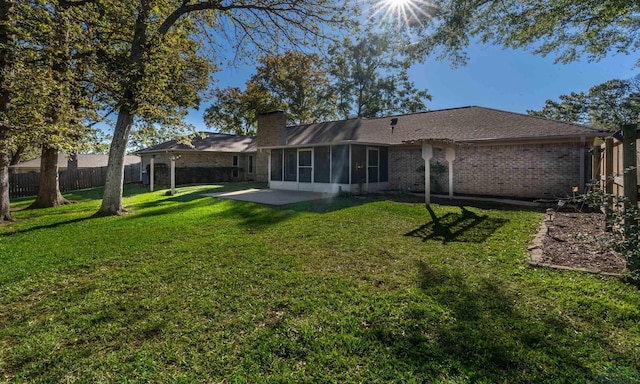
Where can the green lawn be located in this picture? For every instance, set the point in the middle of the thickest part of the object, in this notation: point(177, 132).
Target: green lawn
point(196, 289)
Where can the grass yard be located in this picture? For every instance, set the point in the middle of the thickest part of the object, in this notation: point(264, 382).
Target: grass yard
point(196, 289)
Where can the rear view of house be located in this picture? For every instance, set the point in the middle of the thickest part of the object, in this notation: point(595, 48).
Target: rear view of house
point(469, 150)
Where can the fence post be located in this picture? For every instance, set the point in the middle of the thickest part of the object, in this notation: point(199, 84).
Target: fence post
point(595, 164)
point(630, 134)
point(608, 180)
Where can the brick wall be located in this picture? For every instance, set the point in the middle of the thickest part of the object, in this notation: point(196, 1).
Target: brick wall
point(271, 132)
point(406, 172)
point(519, 170)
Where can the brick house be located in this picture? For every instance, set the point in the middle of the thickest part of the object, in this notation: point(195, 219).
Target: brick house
point(211, 157)
point(470, 151)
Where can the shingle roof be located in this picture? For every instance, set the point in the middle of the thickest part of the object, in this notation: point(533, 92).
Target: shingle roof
point(84, 161)
point(465, 124)
point(211, 142)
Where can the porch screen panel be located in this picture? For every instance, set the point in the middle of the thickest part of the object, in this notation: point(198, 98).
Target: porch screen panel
point(373, 167)
point(276, 164)
point(358, 164)
point(340, 164)
point(304, 165)
point(290, 164)
point(384, 164)
point(322, 164)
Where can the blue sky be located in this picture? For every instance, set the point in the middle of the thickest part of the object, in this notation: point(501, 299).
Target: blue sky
point(512, 80)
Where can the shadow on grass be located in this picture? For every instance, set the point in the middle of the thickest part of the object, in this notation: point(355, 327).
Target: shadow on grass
point(465, 226)
point(46, 226)
point(256, 216)
point(480, 336)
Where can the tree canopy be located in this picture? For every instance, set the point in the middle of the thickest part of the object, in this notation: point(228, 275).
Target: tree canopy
point(569, 29)
point(365, 77)
point(294, 82)
point(607, 105)
point(370, 76)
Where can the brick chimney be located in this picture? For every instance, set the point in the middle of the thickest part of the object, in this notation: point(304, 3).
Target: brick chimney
point(272, 129)
point(272, 132)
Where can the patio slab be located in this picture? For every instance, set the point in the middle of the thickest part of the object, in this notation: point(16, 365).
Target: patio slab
point(271, 196)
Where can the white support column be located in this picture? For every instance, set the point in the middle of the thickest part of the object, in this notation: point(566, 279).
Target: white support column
point(173, 175)
point(151, 172)
point(450, 155)
point(427, 153)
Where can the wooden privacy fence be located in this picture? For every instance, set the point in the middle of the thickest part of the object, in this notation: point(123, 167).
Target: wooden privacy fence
point(616, 165)
point(26, 184)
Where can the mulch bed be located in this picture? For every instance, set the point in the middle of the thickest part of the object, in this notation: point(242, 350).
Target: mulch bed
point(577, 240)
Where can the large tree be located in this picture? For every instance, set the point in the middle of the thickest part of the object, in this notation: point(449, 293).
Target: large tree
point(294, 82)
point(235, 111)
point(159, 35)
point(299, 84)
point(607, 105)
point(370, 76)
point(56, 40)
point(7, 51)
point(569, 29)
point(20, 96)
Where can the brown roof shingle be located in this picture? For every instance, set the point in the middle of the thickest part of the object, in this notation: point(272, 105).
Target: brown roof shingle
point(465, 124)
point(211, 142)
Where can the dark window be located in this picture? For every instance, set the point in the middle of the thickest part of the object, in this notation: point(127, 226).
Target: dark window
point(340, 164)
point(304, 165)
point(373, 166)
point(358, 164)
point(290, 164)
point(321, 164)
point(235, 161)
point(384, 164)
point(276, 164)
point(250, 164)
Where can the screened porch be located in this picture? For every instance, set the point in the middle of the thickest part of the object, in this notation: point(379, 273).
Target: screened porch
point(330, 168)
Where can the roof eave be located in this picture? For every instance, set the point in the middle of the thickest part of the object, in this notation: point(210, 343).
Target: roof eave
point(526, 138)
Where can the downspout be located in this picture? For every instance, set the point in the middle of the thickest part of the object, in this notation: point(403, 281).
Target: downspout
point(173, 174)
point(152, 167)
point(582, 162)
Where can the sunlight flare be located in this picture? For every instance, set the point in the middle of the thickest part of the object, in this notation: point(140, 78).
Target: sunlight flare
point(406, 13)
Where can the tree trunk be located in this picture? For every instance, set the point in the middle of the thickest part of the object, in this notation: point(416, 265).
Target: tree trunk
point(6, 66)
point(49, 188)
point(17, 155)
point(5, 209)
point(112, 198)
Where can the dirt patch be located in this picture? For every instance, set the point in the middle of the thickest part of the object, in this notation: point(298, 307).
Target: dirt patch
point(578, 241)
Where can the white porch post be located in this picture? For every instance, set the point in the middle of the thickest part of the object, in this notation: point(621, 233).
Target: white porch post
point(450, 155)
point(173, 175)
point(427, 153)
point(151, 172)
